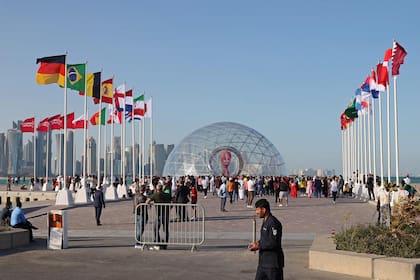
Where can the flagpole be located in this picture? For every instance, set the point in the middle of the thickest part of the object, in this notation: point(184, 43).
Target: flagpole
point(74, 157)
point(396, 132)
point(99, 142)
point(105, 148)
point(151, 140)
point(388, 133)
point(369, 136)
point(351, 149)
point(47, 155)
point(123, 145)
point(65, 130)
point(374, 141)
point(381, 153)
point(112, 142)
point(60, 158)
point(343, 158)
point(34, 146)
point(85, 117)
point(133, 131)
point(142, 149)
point(360, 169)
point(64, 196)
point(364, 147)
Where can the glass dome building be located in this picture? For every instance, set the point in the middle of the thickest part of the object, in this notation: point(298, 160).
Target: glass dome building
point(225, 148)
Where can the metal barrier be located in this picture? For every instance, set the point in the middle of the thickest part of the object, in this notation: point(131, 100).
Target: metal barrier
point(158, 225)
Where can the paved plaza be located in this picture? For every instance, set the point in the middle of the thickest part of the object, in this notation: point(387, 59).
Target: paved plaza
point(107, 252)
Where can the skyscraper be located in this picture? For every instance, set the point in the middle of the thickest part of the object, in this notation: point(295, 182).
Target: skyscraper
point(59, 154)
point(70, 153)
point(91, 157)
point(2, 154)
point(14, 151)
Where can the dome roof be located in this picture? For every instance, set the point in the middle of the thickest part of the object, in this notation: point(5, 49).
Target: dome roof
point(225, 148)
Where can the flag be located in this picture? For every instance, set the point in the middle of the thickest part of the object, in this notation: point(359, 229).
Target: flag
point(365, 92)
point(69, 122)
point(119, 101)
point(115, 117)
point(345, 121)
point(398, 55)
point(56, 122)
point(99, 117)
point(148, 109)
point(28, 125)
point(139, 106)
point(43, 125)
point(365, 99)
point(76, 76)
point(129, 100)
point(93, 85)
point(373, 85)
point(79, 123)
point(138, 110)
point(351, 111)
point(52, 70)
point(382, 70)
point(119, 97)
point(358, 99)
point(107, 91)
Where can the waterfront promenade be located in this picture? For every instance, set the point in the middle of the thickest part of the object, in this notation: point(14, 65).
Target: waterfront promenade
point(107, 252)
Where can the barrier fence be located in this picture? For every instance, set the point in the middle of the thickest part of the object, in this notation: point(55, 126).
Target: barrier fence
point(158, 225)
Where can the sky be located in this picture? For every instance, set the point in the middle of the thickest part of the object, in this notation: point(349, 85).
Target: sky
point(288, 69)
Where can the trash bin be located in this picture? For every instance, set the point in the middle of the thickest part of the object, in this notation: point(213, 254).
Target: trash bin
point(57, 229)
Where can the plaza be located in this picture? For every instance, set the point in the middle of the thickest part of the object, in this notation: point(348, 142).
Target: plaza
point(108, 252)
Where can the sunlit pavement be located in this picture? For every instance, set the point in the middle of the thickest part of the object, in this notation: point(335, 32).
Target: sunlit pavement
point(108, 252)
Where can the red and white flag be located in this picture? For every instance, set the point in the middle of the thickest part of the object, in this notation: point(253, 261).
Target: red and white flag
point(382, 71)
point(43, 125)
point(56, 122)
point(148, 109)
point(115, 117)
point(28, 125)
point(79, 123)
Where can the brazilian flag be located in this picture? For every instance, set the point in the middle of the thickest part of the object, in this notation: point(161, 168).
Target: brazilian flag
point(76, 76)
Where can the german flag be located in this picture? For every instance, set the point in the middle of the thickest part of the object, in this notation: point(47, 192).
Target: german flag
point(52, 70)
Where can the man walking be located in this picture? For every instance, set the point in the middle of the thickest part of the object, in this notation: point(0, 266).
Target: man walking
point(222, 195)
point(271, 257)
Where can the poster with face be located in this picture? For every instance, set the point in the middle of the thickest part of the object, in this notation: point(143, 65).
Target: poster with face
point(225, 161)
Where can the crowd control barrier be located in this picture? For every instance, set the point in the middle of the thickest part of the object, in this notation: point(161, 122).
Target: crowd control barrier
point(163, 224)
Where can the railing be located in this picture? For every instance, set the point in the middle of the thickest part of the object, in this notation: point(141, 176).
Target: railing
point(158, 225)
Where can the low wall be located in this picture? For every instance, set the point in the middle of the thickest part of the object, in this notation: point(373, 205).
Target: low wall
point(14, 238)
point(323, 256)
point(26, 196)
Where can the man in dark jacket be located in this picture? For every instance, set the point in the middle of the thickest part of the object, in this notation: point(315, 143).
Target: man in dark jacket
point(181, 196)
point(140, 210)
point(161, 215)
point(98, 202)
point(271, 257)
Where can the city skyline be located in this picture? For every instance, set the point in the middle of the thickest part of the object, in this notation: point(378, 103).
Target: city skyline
point(288, 70)
point(19, 160)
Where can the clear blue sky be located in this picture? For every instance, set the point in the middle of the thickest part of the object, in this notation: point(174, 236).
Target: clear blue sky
point(285, 68)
